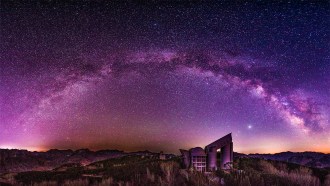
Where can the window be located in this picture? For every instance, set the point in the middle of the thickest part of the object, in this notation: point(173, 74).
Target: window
point(199, 163)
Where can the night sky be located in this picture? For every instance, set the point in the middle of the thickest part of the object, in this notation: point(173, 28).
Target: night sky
point(165, 75)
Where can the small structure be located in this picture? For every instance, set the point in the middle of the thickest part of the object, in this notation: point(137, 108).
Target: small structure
point(198, 159)
point(206, 159)
point(162, 156)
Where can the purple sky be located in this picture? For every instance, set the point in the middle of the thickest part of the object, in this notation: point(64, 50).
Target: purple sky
point(164, 76)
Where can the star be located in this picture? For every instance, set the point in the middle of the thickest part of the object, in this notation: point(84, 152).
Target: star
point(128, 76)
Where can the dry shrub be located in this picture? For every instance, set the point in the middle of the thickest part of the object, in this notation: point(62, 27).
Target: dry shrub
point(46, 183)
point(303, 179)
point(106, 182)
point(184, 173)
point(198, 178)
point(300, 176)
point(245, 181)
point(169, 169)
point(80, 182)
point(303, 171)
point(282, 167)
point(150, 176)
point(161, 182)
point(267, 167)
point(327, 180)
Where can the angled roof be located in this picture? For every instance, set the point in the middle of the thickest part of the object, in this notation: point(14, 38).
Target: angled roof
point(221, 142)
point(197, 151)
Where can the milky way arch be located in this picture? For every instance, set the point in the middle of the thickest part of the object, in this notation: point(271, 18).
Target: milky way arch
point(294, 107)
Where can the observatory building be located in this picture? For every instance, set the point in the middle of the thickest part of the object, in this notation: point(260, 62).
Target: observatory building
point(206, 159)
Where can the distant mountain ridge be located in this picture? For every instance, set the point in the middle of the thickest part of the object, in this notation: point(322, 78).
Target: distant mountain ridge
point(310, 159)
point(14, 160)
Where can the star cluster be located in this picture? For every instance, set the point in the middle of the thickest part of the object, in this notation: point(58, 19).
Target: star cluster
point(165, 75)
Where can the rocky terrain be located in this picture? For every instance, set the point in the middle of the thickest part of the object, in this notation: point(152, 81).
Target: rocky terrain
point(22, 160)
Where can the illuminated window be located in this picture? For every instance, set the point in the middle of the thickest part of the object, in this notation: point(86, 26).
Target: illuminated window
point(199, 163)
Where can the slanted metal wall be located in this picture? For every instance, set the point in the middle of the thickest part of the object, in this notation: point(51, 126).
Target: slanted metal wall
point(226, 156)
point(212, 158)
point(226, 145)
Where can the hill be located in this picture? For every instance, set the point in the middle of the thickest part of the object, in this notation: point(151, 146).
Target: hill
point(22, 160)
point(310, 159)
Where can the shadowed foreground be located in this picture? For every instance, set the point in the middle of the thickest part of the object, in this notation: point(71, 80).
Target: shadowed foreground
point(142, 170)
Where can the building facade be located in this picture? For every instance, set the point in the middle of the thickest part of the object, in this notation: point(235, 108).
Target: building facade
point(206, 159)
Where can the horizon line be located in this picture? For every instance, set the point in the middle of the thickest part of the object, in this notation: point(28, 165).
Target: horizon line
point(148, 151)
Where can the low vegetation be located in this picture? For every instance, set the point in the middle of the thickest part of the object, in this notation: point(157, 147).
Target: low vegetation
point(141, 170)
point(129, 170)
point(258, 172)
